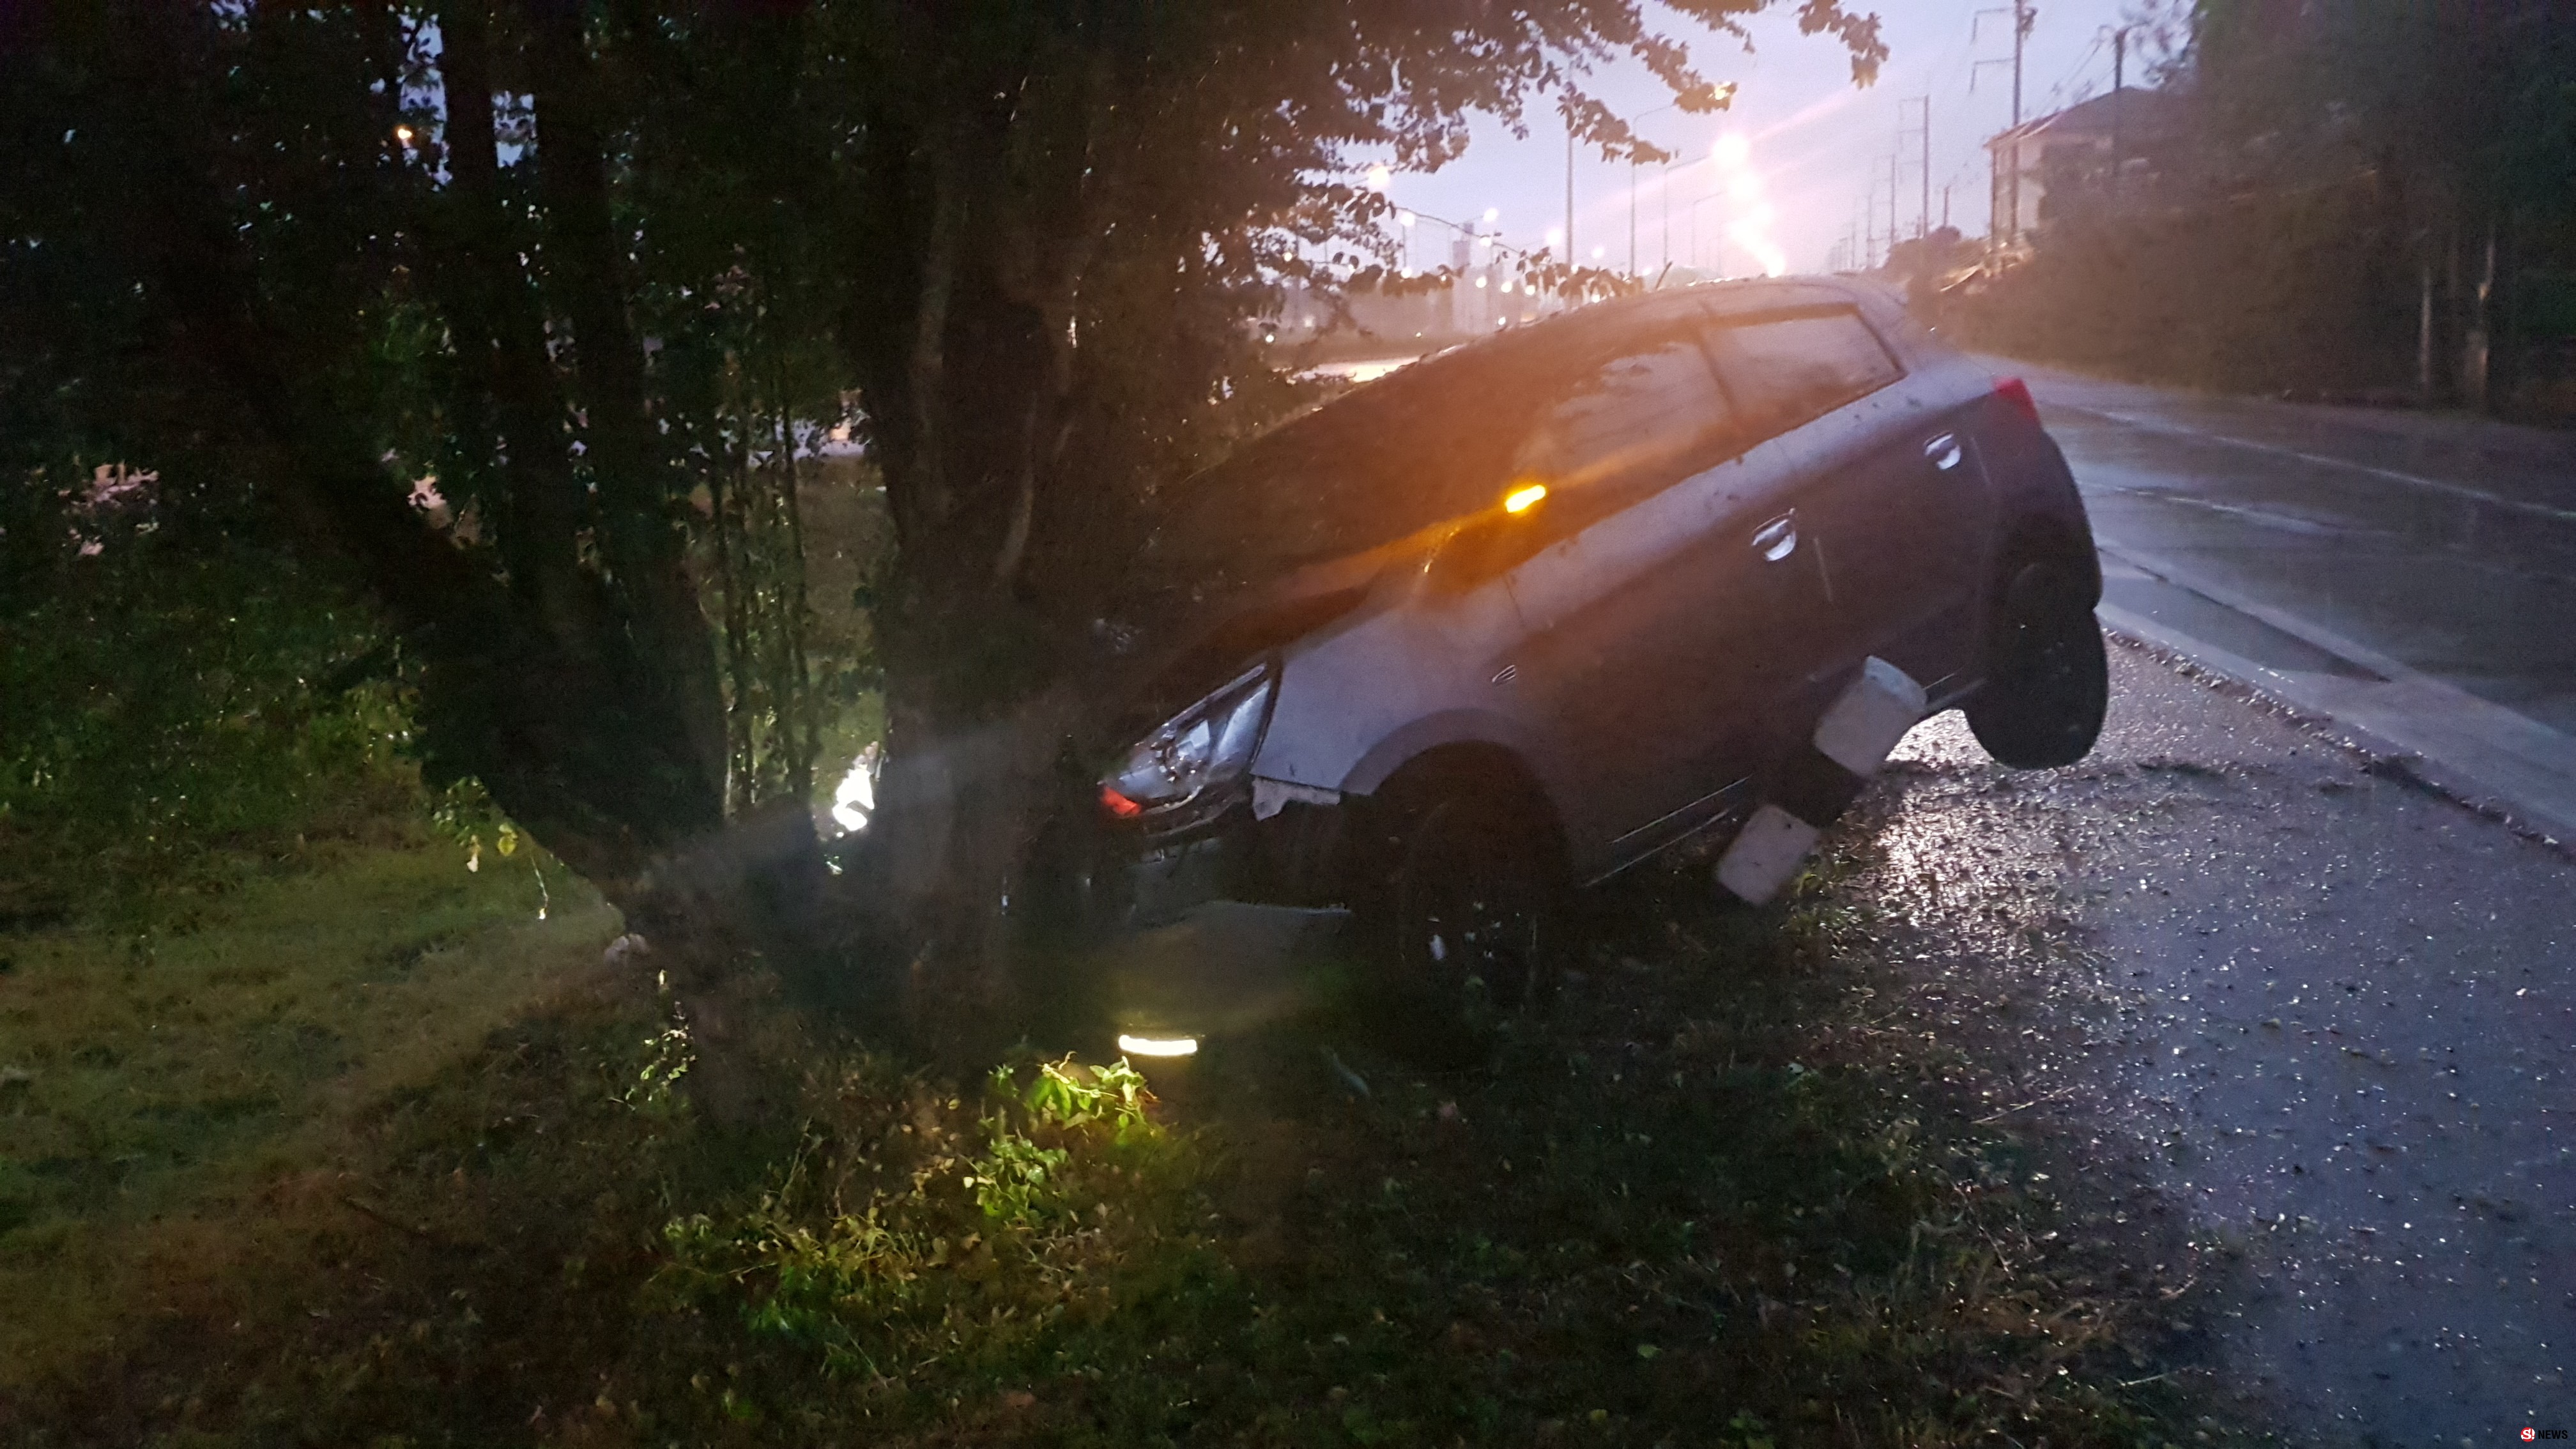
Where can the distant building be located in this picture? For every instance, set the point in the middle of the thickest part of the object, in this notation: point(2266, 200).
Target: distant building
point(2074, 147)
point(1412, 314)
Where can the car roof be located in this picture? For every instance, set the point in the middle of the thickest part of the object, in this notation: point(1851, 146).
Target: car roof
point(1596, 322)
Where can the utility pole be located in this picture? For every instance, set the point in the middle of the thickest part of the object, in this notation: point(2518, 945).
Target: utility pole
point(1923, 218)
point(1569, 192)
point(1923, 133)
point(1895, 198)
point(2023, 17)
point(1667, 189)
point(2119, 97)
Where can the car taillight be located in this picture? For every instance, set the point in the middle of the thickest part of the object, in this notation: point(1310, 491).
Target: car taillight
point(2017, 392)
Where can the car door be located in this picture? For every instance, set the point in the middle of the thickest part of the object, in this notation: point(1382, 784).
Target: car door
point(1897, 505)
point(1662, 596)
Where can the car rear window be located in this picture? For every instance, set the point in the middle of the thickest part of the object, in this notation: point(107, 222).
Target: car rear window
point(1785, 370)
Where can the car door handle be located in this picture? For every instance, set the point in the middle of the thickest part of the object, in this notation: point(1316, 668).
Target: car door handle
point(1943, 451)
point(1777, 539)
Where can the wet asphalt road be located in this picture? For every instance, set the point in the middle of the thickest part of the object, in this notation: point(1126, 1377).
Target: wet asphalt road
point(2331, 1015)
point(2332, 1012)
point(2445, 543)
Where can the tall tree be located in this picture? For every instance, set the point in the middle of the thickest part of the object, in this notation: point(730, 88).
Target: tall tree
point(584, 263)
point(2461, 112)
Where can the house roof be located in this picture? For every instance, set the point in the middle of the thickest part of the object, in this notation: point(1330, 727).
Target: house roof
point(2140, 112)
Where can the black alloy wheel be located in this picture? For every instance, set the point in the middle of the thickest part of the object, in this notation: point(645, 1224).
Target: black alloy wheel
point(2048, 679)
point(1469, 916)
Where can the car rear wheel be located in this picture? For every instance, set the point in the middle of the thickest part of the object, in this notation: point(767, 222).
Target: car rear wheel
point(2048, 681)
point(1465, 918)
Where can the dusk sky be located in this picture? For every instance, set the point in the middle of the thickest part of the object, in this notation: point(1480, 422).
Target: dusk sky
point(1816, 143)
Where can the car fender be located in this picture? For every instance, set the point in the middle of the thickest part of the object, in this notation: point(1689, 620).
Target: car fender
point(1429, 671)
point(1451, 727)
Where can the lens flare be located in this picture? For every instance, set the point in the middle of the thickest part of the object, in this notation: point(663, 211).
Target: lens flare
point(1523, 499)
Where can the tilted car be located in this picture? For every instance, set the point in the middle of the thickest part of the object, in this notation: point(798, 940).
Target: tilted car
point(1519, 616)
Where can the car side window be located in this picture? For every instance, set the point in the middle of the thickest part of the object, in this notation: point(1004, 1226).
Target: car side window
point(1614, 432)
point(1636, 422)
point(1784, 371)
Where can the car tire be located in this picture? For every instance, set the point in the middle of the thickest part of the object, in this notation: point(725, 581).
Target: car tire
point(1465, 916)
point(2048, 680)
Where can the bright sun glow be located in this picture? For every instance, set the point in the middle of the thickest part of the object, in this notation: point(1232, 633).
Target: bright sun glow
point(1158, 1046)
point(1520, 500)
point(1751, 228)
point(1380, 177)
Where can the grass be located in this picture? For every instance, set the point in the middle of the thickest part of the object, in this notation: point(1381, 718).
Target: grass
point(370, 1156)
point(177, 1080)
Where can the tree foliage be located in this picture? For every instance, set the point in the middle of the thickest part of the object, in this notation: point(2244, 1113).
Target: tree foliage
point(2346, 170)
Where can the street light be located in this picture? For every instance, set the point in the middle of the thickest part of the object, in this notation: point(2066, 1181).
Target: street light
point(1720, 95)
point(1694, 225)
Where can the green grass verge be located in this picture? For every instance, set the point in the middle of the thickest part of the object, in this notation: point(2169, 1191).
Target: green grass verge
point(1707, 1201)
point(177, 1085)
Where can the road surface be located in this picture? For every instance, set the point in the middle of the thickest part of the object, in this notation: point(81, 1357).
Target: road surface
point(2326, 1013)
point(2410, 576)
point(2330, 1010)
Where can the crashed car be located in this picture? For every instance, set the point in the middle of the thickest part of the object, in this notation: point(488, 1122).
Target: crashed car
point(1517, 617)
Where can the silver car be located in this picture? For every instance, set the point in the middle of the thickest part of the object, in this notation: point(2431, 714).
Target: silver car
point(1517, 617)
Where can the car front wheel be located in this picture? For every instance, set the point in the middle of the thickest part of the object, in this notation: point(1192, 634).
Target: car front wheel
point(1465, 918)
point(2048, 681)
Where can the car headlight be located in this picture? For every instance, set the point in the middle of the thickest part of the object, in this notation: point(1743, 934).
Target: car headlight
point(1202, 749)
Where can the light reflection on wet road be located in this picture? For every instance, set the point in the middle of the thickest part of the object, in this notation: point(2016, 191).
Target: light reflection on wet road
point(2333, 1014)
